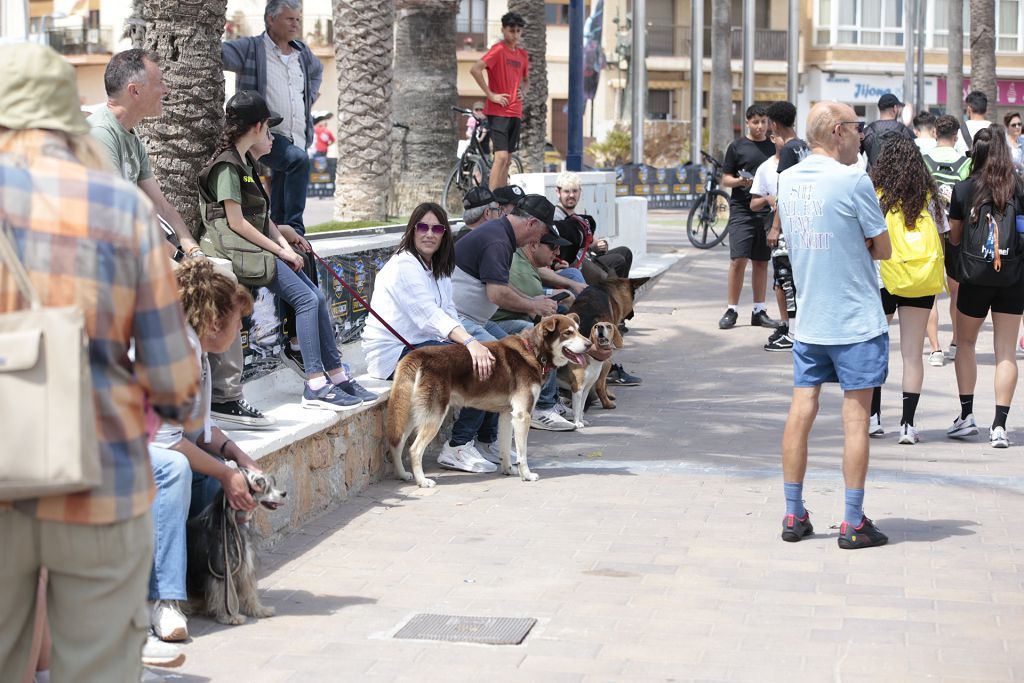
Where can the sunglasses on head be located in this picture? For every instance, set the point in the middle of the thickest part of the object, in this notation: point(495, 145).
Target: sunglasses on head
point(860, 125)
point(424, 228)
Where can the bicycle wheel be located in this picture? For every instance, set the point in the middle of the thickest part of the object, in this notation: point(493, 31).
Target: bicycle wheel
point(708, 221)
point(515, 164)
point(465, 175)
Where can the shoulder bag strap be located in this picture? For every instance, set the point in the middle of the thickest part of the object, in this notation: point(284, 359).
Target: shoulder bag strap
point(966, 132)
point(10, 258)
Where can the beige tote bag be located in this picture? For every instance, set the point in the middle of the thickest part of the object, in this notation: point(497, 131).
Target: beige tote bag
point(47, 418)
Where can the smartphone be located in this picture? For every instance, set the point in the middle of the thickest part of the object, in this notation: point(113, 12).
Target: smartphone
point(747, 175)
point(559, 296)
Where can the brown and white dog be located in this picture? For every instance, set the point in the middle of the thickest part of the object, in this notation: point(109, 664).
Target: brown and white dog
point(579, 380)
point(433, 379)
point(221, 574)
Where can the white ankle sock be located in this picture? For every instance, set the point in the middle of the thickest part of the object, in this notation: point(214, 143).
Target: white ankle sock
point(338, 376)
point(732, 307)
point(317, 383)
point(759, 307)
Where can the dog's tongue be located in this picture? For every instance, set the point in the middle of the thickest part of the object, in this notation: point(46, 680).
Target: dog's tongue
point(580, 359)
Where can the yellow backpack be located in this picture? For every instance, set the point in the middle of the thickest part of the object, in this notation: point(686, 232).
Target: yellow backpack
point(916, 267)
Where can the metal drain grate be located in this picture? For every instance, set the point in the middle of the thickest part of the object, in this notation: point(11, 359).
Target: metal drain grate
point(451, 628)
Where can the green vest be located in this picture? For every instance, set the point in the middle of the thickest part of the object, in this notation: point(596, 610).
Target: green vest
point(251, 264)
point(255, 203)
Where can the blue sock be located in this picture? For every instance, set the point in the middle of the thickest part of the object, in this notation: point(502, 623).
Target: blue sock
point(794, 499)
point(854, 507)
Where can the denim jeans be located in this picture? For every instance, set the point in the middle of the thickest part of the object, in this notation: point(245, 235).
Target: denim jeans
point(514, 326)
point(173, 478)
point(290, 165)
point(476, 424)
point(574, 274)
point(204, 489)
point(313, 323)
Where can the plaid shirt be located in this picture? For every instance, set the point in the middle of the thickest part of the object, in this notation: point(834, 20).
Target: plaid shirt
point(90, 239)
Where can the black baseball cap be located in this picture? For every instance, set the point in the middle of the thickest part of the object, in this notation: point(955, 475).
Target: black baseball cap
point(538, 206)
point(477, 197)
point(510, 194)
point(888, 101)
point(553, 240)
point(249, 107)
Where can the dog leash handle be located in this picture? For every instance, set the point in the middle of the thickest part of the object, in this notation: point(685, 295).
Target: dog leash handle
point(360, 299)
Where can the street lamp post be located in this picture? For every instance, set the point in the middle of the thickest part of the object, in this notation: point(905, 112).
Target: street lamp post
point(639, 65)
point(696, 79)
point(574, 154)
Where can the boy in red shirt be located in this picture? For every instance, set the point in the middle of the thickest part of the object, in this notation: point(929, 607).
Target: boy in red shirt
point(508, 69)
point(323, 138)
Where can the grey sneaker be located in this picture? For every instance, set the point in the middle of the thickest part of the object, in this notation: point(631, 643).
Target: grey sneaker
point(329, 397)
point(354, 388)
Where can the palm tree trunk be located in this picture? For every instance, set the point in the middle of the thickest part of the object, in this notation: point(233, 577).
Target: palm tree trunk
point(955, 72)
point(363, 49)
point(721, 78)
point(186, 36)
point(425, 92)
point(535, 104)
point(983, 51)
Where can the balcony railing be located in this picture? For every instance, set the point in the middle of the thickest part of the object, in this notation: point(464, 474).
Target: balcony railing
point(674, 41)
point(80, 41)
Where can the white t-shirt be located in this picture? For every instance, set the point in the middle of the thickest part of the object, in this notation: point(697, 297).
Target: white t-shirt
point(766, 179)
point(973, 127)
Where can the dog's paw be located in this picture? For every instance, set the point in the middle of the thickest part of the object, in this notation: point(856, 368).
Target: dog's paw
point(530, 476)
point(610, 405)
point(508, 471)
point(405, 476)
point(427, 483)
point(262, 612)
point(236, 620)
point(580, 424)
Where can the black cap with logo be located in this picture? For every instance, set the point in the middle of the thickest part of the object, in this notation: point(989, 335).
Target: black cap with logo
point(249, 107)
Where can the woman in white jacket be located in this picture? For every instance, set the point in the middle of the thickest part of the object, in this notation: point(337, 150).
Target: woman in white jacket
point(413, 292)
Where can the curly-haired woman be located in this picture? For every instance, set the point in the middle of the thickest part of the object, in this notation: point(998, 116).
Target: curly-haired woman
point(908, 197)
point(993, 181)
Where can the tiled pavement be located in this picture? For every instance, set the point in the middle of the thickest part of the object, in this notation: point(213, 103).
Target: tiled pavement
point(649, 549)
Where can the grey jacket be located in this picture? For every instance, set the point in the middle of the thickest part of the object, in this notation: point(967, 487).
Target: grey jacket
point(247, 58)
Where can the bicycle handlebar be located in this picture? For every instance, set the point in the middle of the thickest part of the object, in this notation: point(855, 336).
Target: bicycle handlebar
point(467, 112)
point(714, 161)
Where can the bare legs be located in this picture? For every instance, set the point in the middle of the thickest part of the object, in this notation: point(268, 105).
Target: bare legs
point(758, 280)
point(802, 412)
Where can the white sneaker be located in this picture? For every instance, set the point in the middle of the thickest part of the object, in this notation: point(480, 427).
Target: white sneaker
point(962, 426)
point(169, 624)
point(875, 425)
point(908, 435)
point(951, 353)
point(936, 359)
point(550, 420)
point(492, 453)
point(562, 409)
point(465, 458)
point(997, 438)
point(158, 653)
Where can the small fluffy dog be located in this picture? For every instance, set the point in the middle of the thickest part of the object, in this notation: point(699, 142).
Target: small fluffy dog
point(581, 379)
point(433, 379)
point(222, 557)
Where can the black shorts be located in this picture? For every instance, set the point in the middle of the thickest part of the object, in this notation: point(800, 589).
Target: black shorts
point(976, 300)
point(890, 302)
point(504, 132)
point(748, 236)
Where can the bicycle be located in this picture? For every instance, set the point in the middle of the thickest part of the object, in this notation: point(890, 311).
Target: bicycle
point(472, 168)
point(708, 223)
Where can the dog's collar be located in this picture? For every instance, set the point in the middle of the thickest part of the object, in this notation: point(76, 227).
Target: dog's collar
point(546, 365)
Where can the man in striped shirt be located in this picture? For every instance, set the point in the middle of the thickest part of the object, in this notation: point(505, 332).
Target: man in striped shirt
point(86, 238)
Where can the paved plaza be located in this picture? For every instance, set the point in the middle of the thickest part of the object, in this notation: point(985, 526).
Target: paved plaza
point(649, 549)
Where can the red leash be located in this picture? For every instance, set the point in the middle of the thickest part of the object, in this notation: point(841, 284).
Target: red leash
point(353, 292)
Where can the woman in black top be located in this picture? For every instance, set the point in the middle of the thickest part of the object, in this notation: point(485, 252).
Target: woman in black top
point(992, 181)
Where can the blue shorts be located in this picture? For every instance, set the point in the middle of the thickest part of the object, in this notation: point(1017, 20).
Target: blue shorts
point(863, 365)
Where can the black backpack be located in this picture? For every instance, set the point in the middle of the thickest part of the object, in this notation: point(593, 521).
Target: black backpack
point(990, 249)
point(882, 135)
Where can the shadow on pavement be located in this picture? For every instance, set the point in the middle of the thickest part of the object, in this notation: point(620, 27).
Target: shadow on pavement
point(904, 530)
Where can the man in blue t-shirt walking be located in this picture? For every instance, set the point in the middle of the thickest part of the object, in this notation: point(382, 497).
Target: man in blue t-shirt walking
point(834, 229)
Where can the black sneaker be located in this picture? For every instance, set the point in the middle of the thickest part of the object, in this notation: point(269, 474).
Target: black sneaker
point(293, 359)
point(620, 378)
point(354, 388)
point(240, 412)
point(795, 529)
point(866, 535)
point(761, 319)
point(729, 319)
point(780, 340)
point(622, 328)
